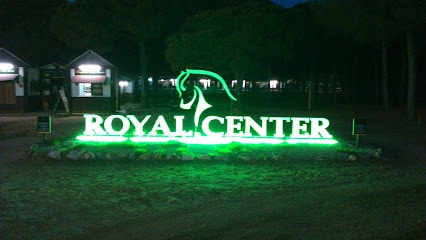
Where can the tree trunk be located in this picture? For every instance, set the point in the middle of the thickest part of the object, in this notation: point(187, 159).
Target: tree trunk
point(239, 107)
point(333, 81)
point(385, 76)
point(402, 87)
point(356, 82)
point(411, 90)
point(377, 80)
point(143, 61)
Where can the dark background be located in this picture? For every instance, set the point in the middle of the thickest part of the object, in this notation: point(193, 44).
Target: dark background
point(347, 50)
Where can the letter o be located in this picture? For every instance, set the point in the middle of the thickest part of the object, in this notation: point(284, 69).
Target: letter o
point(110, 130)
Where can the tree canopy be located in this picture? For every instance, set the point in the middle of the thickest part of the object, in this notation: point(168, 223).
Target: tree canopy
point(241, 41)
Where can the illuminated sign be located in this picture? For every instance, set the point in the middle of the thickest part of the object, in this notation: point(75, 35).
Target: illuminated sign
point(205, 130)
point(90, 69)
point(7, 68)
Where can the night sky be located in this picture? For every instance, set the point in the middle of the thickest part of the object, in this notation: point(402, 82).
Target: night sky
point(288, 3)
point(285, 3)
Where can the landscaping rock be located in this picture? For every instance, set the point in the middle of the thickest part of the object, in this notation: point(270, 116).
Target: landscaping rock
point(89, 156)
point(73, 155)
point(55, 155)
point(187, 158)
point(144, 157)
point(376, 154)
point(204, 157)
point(109, 156)
point(352, 157)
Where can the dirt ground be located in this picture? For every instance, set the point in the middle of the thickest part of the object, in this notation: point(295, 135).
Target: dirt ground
point(259, 217)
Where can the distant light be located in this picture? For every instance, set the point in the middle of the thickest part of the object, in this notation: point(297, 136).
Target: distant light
point(6, 67)
point(205, 82)
point(273, 83)
point(123, 83)
point(150, 79)
point(233, 83)
point(90, 68)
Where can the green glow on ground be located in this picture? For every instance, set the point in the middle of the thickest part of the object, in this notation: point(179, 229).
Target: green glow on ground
point(86, 138)
point(203, 140)
point(151, 139)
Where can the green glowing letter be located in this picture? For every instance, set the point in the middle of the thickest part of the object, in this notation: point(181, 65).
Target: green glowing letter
point(206, 129)
point(279, 123)
point(317, 129)
point(298, 126)
point(93, 127)
point(179, 127)
point(160, 125)
point(202, 104)
point(138, 125)
point(232, 125)
point(108, 125)
point(251, 124)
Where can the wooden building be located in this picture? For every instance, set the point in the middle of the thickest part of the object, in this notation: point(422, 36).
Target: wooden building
point(92, 84)
point(52, 78)
point(15, 89)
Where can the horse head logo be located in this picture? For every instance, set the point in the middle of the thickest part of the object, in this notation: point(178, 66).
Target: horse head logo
point(202, 104)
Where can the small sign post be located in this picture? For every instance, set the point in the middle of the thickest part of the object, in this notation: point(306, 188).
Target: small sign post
point(359, 128)
point(64, 99)
point(44, 125)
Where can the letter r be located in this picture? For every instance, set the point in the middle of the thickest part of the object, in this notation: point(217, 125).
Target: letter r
point(93, 125)
point(318, 128)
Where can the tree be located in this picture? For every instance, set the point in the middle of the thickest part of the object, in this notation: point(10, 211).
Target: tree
point(99, 24)
point(307, 50)
point(240, 42)
point(410, 16)
point(368, 22)
point(378, 23)
point(25, 29)
point(86, 24)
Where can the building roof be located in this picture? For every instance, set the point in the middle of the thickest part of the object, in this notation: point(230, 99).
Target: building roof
point(90, 57)
point(53, 66)
point(7, 56)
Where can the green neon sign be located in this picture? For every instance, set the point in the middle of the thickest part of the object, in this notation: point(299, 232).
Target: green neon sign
point(202, 104)
point(208, 130)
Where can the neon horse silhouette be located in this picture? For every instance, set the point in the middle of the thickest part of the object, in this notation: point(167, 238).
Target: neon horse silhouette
point(202, 104)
